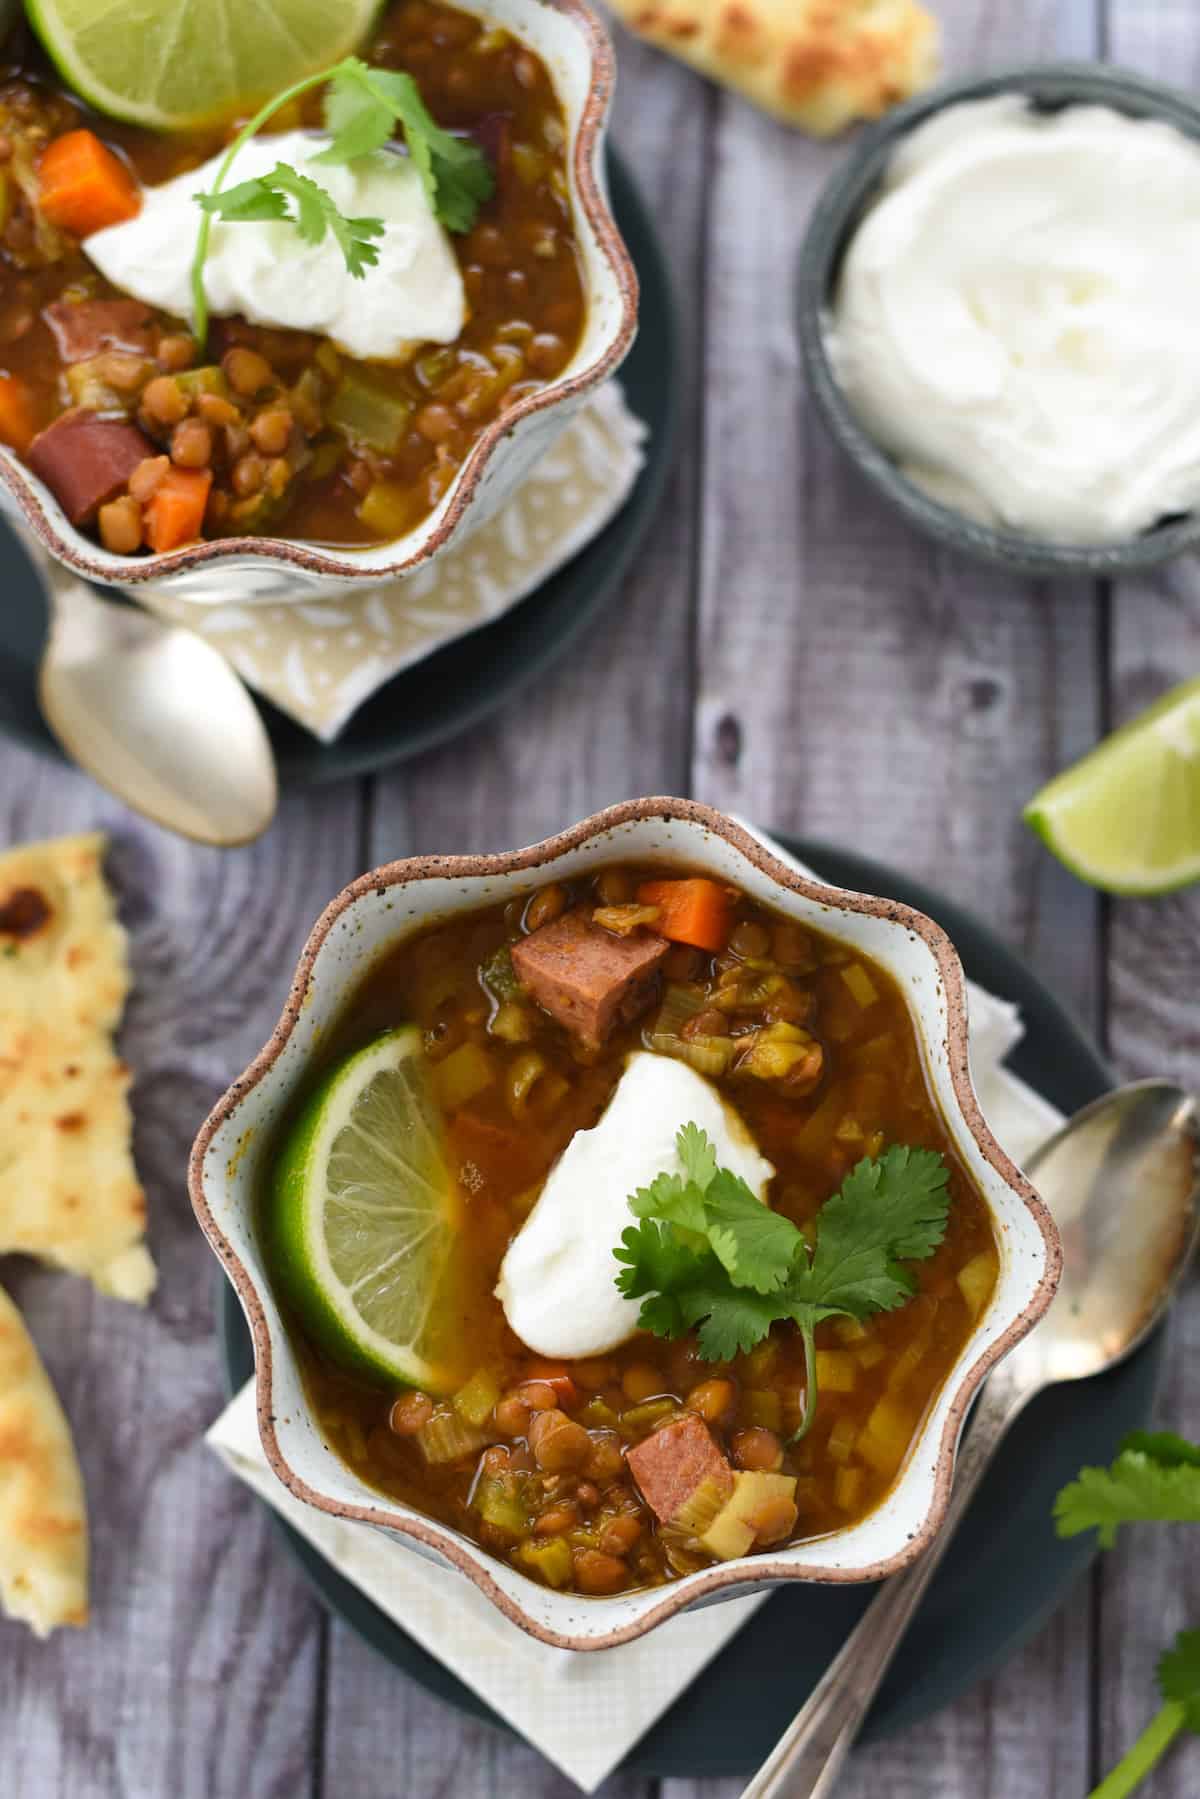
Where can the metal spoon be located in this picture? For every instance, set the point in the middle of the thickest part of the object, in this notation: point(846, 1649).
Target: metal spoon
point(1120, 1181)
point(154, 713)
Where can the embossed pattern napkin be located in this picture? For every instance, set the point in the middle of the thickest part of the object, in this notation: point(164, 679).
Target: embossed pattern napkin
point(318, 660)
point(583, 1712)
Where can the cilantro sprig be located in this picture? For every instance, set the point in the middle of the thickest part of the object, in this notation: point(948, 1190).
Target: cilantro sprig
point(1154, 1479)
point(363, 109)
point(706, 1252)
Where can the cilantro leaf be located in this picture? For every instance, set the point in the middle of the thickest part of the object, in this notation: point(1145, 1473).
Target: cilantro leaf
point(1179, 1676)
point(707, 1252)
point(682, 1287)
point(673, 1200)
point(1165, 1448)
point(317, 212)
point(756, 1246)
point(736, 1321)
point(697, 1156)
point(1135, 1489)
point(889, 1209)
point(363, 108)
point(266, 197)
point(248, 200)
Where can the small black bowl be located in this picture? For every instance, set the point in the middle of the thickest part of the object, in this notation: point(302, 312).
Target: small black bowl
point(839, 211)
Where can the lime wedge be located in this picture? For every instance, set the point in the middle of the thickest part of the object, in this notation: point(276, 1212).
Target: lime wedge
point(365, 1212)
point(171, 64)
point(1127, 818)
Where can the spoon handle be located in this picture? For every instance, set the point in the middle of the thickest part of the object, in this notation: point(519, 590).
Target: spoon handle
point(807, 1760)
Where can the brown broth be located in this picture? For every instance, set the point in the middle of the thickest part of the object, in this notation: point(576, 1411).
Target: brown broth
point(877, 1380)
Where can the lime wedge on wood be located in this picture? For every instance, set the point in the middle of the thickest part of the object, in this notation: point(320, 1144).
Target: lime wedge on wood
point(170, 64)
point(364, 1214)
point(1127, 818)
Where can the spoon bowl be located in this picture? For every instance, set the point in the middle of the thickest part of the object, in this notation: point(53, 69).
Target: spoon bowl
point(1120, 1180)
point(154, 713)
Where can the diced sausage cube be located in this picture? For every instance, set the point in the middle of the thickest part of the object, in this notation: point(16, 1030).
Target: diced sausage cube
point(587, 978)
point(673, 1464)
point(86, 460)
point(83, 328)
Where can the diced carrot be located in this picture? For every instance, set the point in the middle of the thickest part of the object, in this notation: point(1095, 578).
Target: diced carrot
point(693, 911)
point(175, 510)
point(18, 420)
point(83, 187)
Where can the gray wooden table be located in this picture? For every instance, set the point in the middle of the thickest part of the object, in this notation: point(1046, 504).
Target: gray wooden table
point(786, 649)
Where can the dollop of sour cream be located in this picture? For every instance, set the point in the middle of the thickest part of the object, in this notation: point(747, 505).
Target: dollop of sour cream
point(1015, 319)
point(557, 1280)
point(264, 270)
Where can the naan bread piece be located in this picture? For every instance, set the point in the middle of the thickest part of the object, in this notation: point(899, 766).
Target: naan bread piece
point(817, 64)
point(69, 1192)
point(43, 1522)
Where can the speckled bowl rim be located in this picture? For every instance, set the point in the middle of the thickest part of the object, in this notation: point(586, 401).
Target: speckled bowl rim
point(468, 1559)
point(48, 521)
point(833, 221)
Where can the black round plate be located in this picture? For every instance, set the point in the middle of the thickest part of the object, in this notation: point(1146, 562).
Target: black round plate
point(459, 685)
point(1005, 1572)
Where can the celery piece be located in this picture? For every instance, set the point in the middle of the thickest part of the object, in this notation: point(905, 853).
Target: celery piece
point(709, 1056)
point(701, 1506)
point(849, 1330)
point(847, 1488)
point(500, 1501)
point(551, 1560)
point(466, 1071)
point(434, 366)
point(909, 1360)
point(512, 1022)
point(475, 1402)
point(680, 1002)
point(861, 986)
point(368, 413)
point(529, 165)
point(842, 1437)
point(390, 509)
point(764, 1408)
point(886, 1436)
point(976, 1280)
point(597, 1415)
point(641, 1417)
point(206, 380)
point(447, 1438)
point(90, 388)
point(499, 976)
point(732, 1531)
point(836, 1371)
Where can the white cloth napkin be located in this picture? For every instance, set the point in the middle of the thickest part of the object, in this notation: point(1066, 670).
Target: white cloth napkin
point(319, 659)
point(583, 1712)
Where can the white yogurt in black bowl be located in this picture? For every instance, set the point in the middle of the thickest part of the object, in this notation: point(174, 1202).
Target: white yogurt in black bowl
point(997, 320)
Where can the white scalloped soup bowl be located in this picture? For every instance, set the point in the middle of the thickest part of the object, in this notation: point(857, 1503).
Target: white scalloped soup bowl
point(377, 911)
point(575, 47)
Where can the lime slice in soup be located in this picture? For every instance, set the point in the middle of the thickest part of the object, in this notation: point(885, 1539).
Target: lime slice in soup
point(171, 64)
point(1127, 818)
point(364, 1214)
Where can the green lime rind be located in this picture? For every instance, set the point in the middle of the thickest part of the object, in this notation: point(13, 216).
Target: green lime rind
point(363, 1214)
point(1126, 819)
point(172, 64)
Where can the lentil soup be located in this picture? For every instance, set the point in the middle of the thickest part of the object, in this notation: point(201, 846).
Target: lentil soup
point(150, 440)
point(602, 1473)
